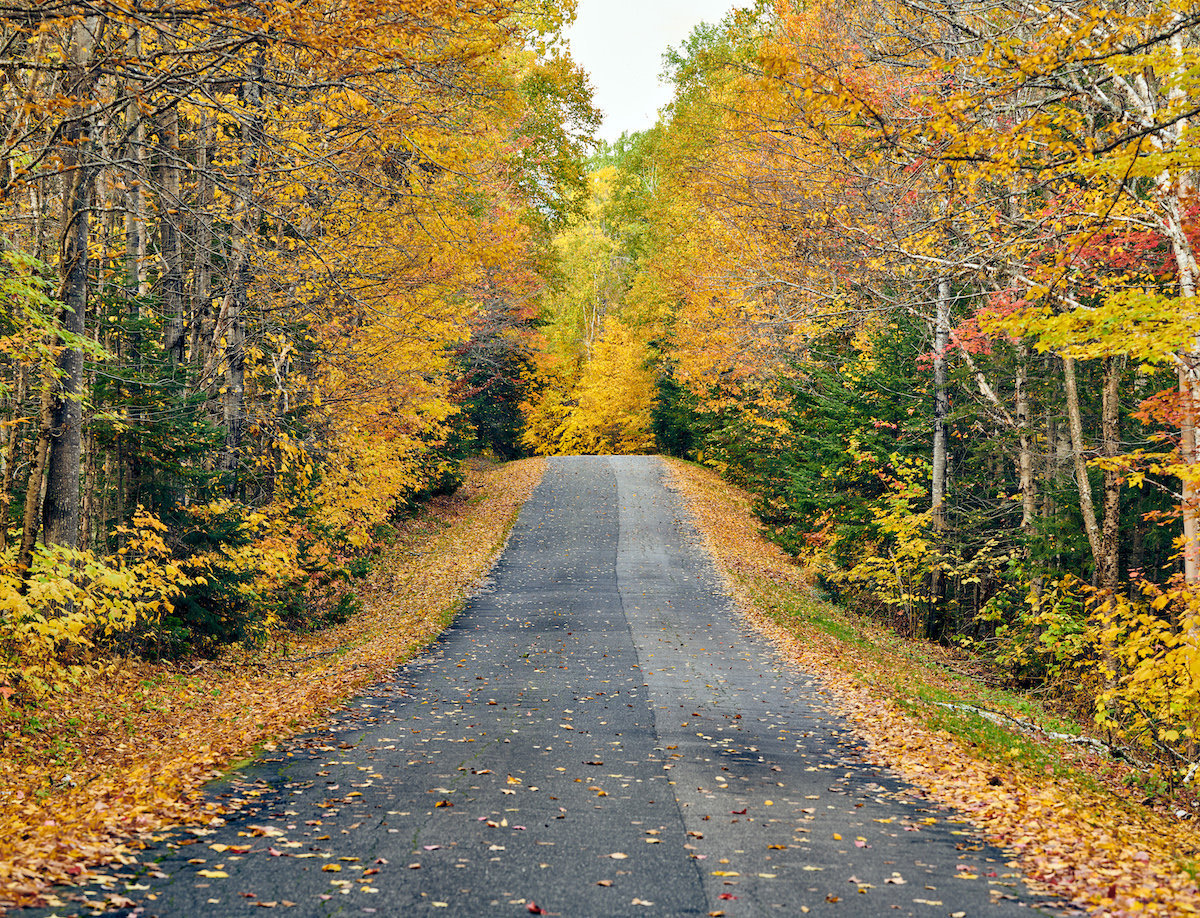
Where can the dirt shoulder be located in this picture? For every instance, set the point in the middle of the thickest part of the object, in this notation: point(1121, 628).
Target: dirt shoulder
point(93, 770)
point(1054, 807)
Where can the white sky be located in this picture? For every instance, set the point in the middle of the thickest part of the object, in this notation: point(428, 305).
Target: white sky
point(621, 43)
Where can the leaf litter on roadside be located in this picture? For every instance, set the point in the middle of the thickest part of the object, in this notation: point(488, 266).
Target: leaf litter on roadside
point(1069, 838)
point(177, 725)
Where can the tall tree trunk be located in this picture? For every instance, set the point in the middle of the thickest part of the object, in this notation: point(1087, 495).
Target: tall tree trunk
point(935, 621)
point(137, 284)
point(61, 508)
point(202, 313)
point(230, 331)
point(1026, 435)
point(1075, 425)
point(135, 200)
point(1109, 569)
point(1175, 190)
point(941, 403)
point(169, 235)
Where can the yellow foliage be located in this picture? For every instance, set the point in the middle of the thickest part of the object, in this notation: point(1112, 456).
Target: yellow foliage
point(1151, 663)
point(71, 600)
point(545, 413)
point(609, 411)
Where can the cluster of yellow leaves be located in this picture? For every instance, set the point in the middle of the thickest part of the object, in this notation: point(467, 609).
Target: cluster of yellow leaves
point(130, 751)
point(593, 388)
point(609, 408)
point(1151, 666)
point(1090, 846)
point(896, 577)
point(1141, 667)
point(70, 600)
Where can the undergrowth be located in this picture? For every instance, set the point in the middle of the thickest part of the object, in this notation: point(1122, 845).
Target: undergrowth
point(1082, 825)
point(86, 773)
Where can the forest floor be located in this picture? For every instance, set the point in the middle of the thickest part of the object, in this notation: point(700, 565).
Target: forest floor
point(1070, 815)
point(90, 771)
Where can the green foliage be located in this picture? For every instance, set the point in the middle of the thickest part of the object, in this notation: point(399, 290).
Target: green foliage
point(553, 138)
point(222, 605)
point(30, 330)
point(495, 367)
point(820, 474)
point(1038, 638)
point(673, 419)
point(146, 413)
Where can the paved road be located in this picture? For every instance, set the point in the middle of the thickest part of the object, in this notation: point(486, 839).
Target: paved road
point(597, 735)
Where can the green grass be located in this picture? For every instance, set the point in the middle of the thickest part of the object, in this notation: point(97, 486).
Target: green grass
point(917, 679)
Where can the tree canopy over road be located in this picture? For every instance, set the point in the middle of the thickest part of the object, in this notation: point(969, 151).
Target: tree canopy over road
point(920, 277)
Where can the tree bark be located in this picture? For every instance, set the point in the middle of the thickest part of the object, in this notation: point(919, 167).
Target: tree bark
point(1075, 425)
point(941, 404)
point(60, 511)
point(202, 314)
point(1025, 433)
point(230, 331)
point(135, 202)
point(1109, 568)
point(169, 235)
point(935, 619)
point(1174, 195)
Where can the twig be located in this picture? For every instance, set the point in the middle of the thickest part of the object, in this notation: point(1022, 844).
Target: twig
point(999, 717)
point(313, 656)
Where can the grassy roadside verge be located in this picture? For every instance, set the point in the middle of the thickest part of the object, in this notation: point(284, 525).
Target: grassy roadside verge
point(82, 777)
point(1052, 805)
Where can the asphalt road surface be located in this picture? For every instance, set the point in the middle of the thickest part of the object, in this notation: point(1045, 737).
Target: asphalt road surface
point(598, 734)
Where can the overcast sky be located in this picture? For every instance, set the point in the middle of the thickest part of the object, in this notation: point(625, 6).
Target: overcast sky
point(621, 43)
